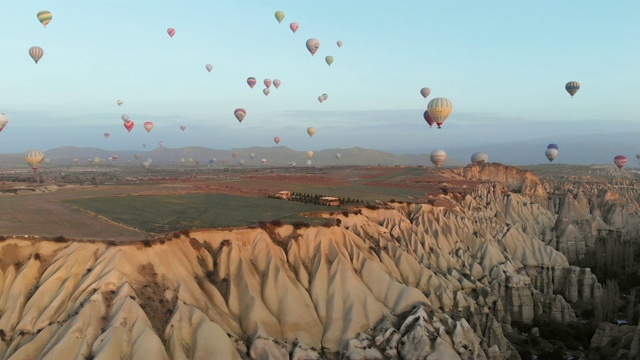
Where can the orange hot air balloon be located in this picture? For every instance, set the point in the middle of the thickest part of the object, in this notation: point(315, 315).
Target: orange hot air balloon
point(148, 125)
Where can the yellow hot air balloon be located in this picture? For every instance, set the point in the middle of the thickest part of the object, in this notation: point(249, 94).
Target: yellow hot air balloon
point(439, 109)
point(36, 53)
point(329, 60)
point(34, 158)
point(279, 16)
point(311, 131)
point(44, 17)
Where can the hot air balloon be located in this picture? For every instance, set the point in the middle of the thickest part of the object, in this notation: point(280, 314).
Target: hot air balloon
point(107, 135)
point(309, 154)
point(294, 27)
point(171, 31)
point(146, 164)
point(119, 102)
point(425, 91)
point(276, 140)
point(266, 91)
point(240, 114)
point(313, 45)
point(148, 125)
point(263, 161)
point(251, 81)
point(252, 155)
point(161, 143)
point(437, 157)
point(553, 146)
point(144, 145)
point(183, 128)
point(329, 60)
point(338, 156)
point(572, 87)
point(279, 16)
point(44, 17)
point(276, 83)
point(4, 120)
point(212, 161)
point(137, 156)
point(36, 53)
point(311, 131)
point(479, 158)
point(34, 158)
point(241, 162)
point(209, 67)
point(96, 160)
point(339, 43)
point(620, 161)
point(128, 125)
point(182, 160)
point(638, 156)
point(320, 99)
point(115, 157)
point(325, 96)
point(439, 110)
point(309, 162)
point(267, 83)
point(551, 153)
point(234, 155)
point(428, 118)
point(124, 117)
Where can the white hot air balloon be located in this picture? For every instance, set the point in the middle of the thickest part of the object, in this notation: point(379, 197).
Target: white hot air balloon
point(479, 158)
point(209, 67)
point(551, 153)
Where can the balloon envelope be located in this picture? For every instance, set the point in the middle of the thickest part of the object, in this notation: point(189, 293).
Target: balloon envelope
point(34, 158)
point(425, 91)
point(209, 67)
point(309, 154)
point(148, 125)
point(119, 102)
point(44, 17)
point(294, 27)
point(479, 158)
point(339, 43)
point(240, 114)
point(124, 117)
point(279, 16)
point(4, 120)
point(428, 118)
point(171, 31)
point(276, 83)
point(128, 125)
point(276, 140)
point(440, 109)
point(551, 153)
point(311, 131)
point(266, 91)
point(553, 146)
point(137, 156)
point(263, 161)
point(572, 87)
point(320, 99)
point(36, 53)
point(267, 83)
point(251, 81)
point(620, 161)
point(313, 45)
point(329, 60)
point(252, 155)
point(183, 128)
point(338, 156)
point(325, 96)
point(437, 157)
point(107, 135)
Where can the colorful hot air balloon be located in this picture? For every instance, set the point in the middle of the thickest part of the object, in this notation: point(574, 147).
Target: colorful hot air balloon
point(279, 16)
point(329, 60)
point(276, 140)
point(251, 81)
point(620, 161)
point(311, 131)
point(428, 118)
point(439, 110)
point(44, 17)
point(437, 157)
point(553, 146)
point(240, 114)
point(294, 27)
point(479, 158)
point(321, 99)
point(425, 91)
point(572, 87)
point(267, 83)
point(551, 154)
point(266, 91)
point(34, 158)
point(209, 67)
point(276, 83)
point(309, 154)
point(339, 43)
point(124, 117)
point(263, 161)
point(107, 135)
point(313, 45)
point(128, 125)
point(171, 32)
point(338, 156)
point(325, 96)
point(119, 102)
point(183, 128)
point(4, 120)
point(148, 125)
point(36, 53)
point(115, 157)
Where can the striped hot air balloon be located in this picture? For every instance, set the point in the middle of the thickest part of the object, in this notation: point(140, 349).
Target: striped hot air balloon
point(437, 157)
point(439, 110)
point(572, 87)
point(34, 158)
point(44, 17)
point(171, 31)
point(240, 114)
point(267, 83)
point(251, 81)
point(148, 125)
point(36, 53)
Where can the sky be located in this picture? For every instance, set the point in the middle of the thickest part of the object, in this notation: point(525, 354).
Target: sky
point(502, 63)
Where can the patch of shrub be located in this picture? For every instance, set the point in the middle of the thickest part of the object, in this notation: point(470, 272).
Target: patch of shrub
point(60, 239)
point(147, 243)
point(276, 222)
point(372, 207)
point(300, 224)
point(345, 213)
point(36, 256)
point(111, 243)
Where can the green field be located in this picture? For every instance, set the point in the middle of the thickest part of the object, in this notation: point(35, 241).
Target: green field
point(166, 213)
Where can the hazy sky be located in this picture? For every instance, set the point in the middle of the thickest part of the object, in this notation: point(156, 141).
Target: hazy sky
point(503, 64)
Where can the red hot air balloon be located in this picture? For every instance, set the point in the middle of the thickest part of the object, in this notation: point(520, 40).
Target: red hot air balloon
point(428, 118)
point(276, 140)
point(171, 31)
point(294, 27)
point(128, 125)
point(251, 81)
point(620, 161)
point(106, 135)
